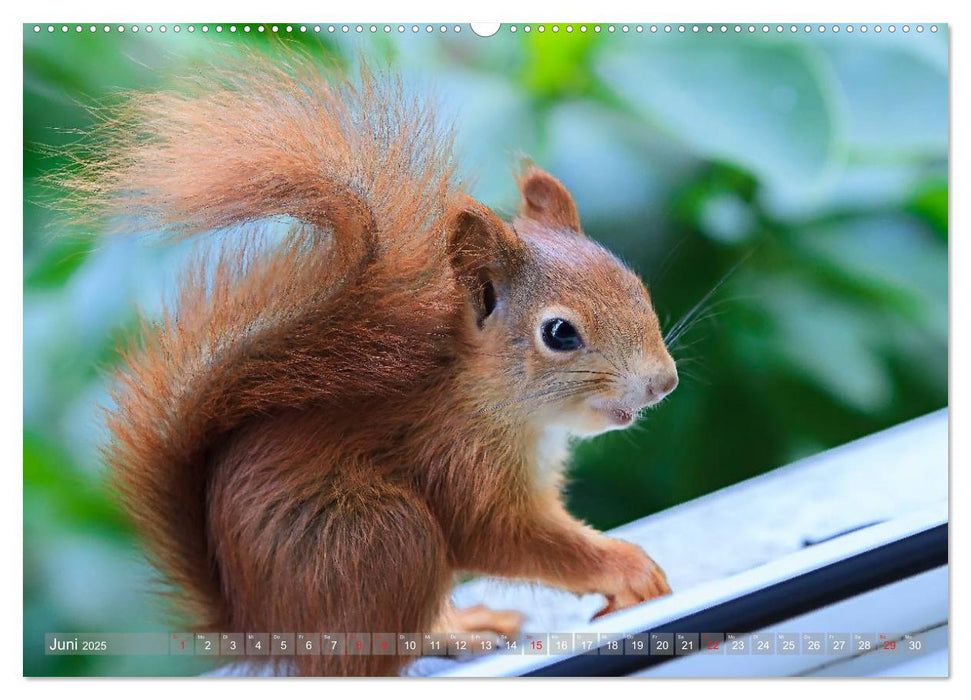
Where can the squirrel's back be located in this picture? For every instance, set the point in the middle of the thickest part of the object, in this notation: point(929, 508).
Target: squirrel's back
point(354, 301)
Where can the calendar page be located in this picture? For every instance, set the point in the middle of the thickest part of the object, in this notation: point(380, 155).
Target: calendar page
point(400, 349)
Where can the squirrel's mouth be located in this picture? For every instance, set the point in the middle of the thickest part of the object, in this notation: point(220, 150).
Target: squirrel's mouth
point(617, 414)
point(620, 416)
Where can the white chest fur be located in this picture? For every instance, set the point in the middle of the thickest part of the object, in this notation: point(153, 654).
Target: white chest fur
point(553, 450)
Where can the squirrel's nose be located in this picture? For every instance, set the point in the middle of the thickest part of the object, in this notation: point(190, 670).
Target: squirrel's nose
point(661, 383)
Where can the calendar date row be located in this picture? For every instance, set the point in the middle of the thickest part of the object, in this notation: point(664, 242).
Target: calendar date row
point(554, 643)
point(283, 644)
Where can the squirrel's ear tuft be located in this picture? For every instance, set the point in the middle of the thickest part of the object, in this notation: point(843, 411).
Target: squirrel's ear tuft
point(546, 200)
point(483, 251)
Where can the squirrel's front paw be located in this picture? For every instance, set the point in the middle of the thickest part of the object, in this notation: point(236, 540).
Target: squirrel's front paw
point(630, 577)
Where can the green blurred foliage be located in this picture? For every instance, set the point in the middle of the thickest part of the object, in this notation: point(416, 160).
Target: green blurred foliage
point(808, 174)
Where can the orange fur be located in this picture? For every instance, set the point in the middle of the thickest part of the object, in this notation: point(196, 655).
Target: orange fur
point(319, 434)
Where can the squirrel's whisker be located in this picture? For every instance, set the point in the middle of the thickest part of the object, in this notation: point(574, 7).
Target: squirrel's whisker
point(706, 314)
point(590, 371)
point(611, 362)
point(675, 330)
point(550, 392)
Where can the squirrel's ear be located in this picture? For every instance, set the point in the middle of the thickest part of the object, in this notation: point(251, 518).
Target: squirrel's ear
point(483, 251)
point(546, 200)
point(478, 238)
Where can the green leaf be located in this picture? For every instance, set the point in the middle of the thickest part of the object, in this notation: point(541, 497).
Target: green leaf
point(894, 101)
point(559, 64)
point(930, 204)
point(53, 485)
point(760, 105)
point(892, 262)
point(57, 262)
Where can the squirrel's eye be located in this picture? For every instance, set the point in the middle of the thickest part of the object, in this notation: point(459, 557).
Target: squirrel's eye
point(561, 335)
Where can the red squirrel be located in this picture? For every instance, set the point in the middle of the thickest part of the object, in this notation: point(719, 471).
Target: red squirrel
point(318, 435)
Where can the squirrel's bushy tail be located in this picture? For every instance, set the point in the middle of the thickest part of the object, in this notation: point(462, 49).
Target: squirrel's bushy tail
point(363, 174)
